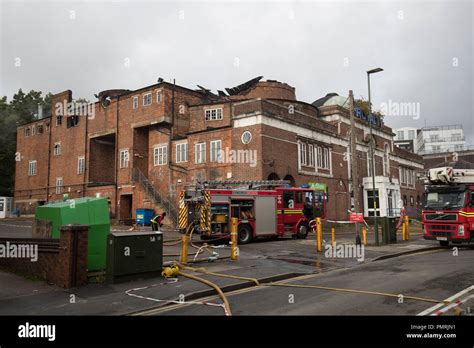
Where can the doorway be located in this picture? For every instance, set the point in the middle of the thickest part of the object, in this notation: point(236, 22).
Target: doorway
point(126, 207)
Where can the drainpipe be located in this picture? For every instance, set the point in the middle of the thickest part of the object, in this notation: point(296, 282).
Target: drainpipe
point(85, 157)
point(116, 155)
point(49, 154)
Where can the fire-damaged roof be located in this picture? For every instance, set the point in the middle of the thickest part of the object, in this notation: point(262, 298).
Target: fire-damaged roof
point(244, 86)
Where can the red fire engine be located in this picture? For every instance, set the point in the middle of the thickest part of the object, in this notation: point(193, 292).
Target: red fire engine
point(448, 205)
point(264, 209)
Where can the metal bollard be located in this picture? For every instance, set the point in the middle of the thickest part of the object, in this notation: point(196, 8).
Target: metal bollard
point(319, 235)
point(364, 235)
point(184, 249)
point(333, 236)
point(234, 254)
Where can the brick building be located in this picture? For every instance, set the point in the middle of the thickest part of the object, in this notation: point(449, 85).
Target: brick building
point(140, 148)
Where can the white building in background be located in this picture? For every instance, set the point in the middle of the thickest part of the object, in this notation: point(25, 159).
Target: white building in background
point(440, 139)
point(406, 138)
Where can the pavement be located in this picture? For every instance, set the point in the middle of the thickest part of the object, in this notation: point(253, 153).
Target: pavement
point(266, 260)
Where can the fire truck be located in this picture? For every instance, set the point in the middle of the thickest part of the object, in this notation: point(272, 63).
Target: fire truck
point(264, 209)
point(448, 205)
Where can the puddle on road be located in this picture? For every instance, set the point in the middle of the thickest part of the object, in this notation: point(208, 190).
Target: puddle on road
point(317, 264)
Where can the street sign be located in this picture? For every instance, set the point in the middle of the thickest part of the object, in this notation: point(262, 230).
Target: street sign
point(356, 217)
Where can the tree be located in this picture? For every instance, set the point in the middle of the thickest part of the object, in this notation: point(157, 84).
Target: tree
point(364, 106)
point(22, 109)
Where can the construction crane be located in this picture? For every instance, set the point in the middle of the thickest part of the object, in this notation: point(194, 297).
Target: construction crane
point(448, 176)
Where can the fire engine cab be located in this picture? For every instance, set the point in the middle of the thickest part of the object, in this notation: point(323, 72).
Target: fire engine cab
point(448, 205)
point(263, 208)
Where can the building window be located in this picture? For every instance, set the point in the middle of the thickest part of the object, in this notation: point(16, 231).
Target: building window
point(411, 134)
point(31, 168)
point(400, 135)
point(47, 126)
point(303, 153)
point(59, 185)
point(213, 114)
point(124, 158)
point(33, 130)
point(216, 148)
point(181, 152)
point(200, 153)
point(59, 120)
point(322, 157)
point(159, 96)
point(369, 164)
point(27, 131)
point(135, 103)
point(160, 155)
point(40, 129)
point(147, 99)
point(81, 165)
point(325, 158)
point(72, 121)
point(386, 160)
point(370, 202)
point(310, 155)
point(319, 156)
point(57, 149)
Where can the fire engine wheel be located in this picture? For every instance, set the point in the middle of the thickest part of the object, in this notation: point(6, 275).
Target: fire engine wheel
point(245, 234)
point(444, 243)
point(303, 230)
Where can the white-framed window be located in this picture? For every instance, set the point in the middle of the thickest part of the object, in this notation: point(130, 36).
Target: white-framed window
point(27, 131)
point(310, 155)
point(319, 156)
point(213, 114)
point(81, 164)
point(147, 99)
point(200, 153)
point(386, 160)
point(400, 135)
point(135, 102)
point(59, 185)
point(181, 152)
point(124, 158)
point(59, 120)
point(57, 149)
point(160, 155)
point(411, 134)
point(159, 96)
point(303, 153)
point(322, 157)
point(216, 149)
point(369, 164)
point(32, 168)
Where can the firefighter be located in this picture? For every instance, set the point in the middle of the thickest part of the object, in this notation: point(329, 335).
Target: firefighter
point(157, 222)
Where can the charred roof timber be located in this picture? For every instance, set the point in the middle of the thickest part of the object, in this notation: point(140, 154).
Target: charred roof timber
point(105, 96)
point(244, 86)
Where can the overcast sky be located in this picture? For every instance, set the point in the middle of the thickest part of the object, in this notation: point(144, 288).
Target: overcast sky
point(426, 49)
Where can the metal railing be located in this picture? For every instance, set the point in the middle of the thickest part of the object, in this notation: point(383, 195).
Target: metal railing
point(140, 178)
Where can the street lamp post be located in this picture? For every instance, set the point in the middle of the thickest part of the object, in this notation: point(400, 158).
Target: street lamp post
point(372, 156)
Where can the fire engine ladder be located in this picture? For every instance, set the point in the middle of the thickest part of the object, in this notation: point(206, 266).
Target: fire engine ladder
point(448, 175)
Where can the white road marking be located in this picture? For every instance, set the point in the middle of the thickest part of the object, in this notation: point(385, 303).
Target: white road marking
point(445, 303)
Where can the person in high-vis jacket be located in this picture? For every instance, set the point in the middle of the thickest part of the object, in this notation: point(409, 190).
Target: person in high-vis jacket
point(157, 222)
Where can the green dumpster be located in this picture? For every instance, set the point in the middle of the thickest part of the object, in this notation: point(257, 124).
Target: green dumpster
point(389, 229)
point(90, 211)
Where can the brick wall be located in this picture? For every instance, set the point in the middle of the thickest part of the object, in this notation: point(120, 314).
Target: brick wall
point(62, 262)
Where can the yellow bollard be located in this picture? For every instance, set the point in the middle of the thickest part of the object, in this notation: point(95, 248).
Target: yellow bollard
point(319, 235)
point(404, 231)
point(184, 249)
point(407, 228)
point(364, 235)
point(333, 236)
point(234, 254)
